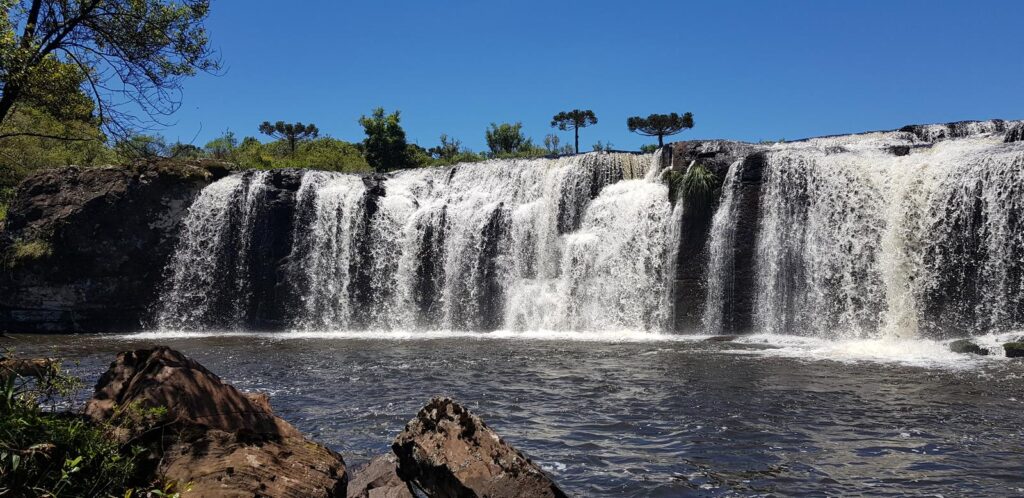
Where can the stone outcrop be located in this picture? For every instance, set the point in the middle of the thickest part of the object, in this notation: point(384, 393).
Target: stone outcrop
point(222, 441)
point(690, 283)
point(83, 249)
point(966, 346)
point(1014, 349)
point(446, 451)
point(378, 479)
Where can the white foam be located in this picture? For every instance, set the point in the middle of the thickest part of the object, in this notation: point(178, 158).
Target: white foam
point(609, 336)
point(909, 352)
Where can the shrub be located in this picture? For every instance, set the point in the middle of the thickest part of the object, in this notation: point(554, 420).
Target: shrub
point(48, 453)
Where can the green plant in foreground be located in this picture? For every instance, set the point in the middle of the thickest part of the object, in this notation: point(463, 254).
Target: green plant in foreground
point(48, 453)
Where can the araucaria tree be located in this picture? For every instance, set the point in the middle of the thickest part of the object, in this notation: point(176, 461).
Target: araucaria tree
point(127, 55)
point(660, 125)
point(574, 120)
point(385, 146)
point(293, 133)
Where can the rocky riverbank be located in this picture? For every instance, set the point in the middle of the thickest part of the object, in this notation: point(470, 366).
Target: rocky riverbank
point(204, 436)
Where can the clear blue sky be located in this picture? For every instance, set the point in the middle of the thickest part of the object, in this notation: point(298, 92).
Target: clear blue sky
point(747, 70)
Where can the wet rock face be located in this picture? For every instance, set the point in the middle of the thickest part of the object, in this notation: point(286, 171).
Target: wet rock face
point(1015, 133)
point(689, 285)
point(223, 441)
point(445, 451)
point(966, 346)
point(83, 249)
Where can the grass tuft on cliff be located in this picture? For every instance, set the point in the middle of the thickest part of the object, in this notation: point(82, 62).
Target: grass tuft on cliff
point(26, 251)
point(696, 187)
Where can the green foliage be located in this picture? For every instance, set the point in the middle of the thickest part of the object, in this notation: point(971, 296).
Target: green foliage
point(605, 147)
point(122, 52)
point(23, 154)
point(447, 150)
point(451, 151)
point(323, 153)
point(292, 133)
point(385, 147)
point(221, 147)
point(6, 194)
point(697, 187)
point(23, 251)
point(574, 120)
point(508, 140)
point(648, 148)
point(660, 125)
point(44, 452)
point(142, 147)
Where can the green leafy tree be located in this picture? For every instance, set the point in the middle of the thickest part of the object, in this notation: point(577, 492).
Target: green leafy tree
point(124, 53)
point(551, 143)
point(31, 150)
point(648, 148)
point(291, 133)
point(660, 125)
point(142, 147)
point(447, 150)
point(385, 146)
point(180, 150)
point(507, 139)
point(574, 120)
point(222, 147)
point(602, 146)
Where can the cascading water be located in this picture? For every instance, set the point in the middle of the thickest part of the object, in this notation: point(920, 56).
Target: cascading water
point(208, 283)
point(902, 234)
point(573, 243)
point(855, 240)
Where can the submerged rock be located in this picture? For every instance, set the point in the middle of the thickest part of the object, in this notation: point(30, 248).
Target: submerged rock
point(222, 441)
point(446, 451)
point(1014, 349)
point(722, 338)
point(965, 346)
point(378, 479)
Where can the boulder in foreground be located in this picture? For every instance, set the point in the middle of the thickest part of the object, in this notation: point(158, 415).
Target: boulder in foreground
point(378, 479)
point(446, 451)
point(222, 441)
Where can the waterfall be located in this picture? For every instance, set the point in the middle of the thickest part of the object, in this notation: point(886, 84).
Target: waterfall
point(902, 234)
point(571, 243)
point(720, 254)
point(208, 282)
point(891, 234)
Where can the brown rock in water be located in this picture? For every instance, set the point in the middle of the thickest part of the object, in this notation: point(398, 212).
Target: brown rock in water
point(222, 441)
point(448, 452)
point(378, 479)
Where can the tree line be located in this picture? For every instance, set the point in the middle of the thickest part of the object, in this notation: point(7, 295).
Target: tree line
point(86, 82)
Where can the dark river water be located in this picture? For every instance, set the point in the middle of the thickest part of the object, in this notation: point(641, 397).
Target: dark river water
point(649, 415)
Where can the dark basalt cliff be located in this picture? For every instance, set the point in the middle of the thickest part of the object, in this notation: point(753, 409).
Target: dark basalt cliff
point(83, 249)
